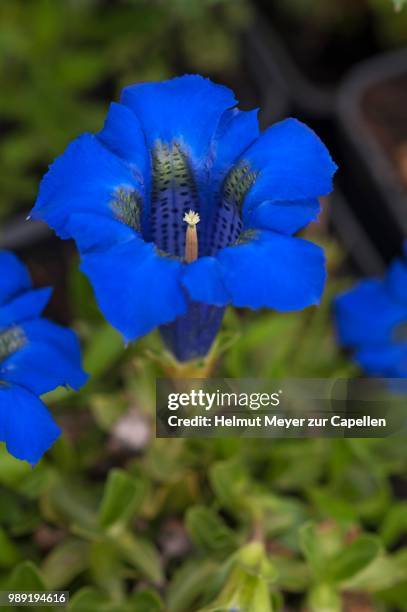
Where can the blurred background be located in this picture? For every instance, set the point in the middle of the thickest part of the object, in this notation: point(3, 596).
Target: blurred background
point(129, 523)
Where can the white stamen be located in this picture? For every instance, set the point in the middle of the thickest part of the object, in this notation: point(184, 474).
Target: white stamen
point(192, 218)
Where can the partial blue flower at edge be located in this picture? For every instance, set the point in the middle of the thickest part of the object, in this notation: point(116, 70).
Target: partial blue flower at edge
point(36, 356)
point(178, 145)
point(372, 321)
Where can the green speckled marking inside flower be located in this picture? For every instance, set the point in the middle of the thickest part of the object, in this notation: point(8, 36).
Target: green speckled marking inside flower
point(126, 204)
point(227, 223)
point(246, 237)
point(11, 340)
point(238, 182)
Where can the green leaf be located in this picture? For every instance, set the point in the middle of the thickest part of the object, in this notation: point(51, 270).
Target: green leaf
point(37, 481)
point(9, 553)
point(395, 597)
point(292, 574)
point(122, 497)
point(103, 351)
point(65, 562)
point(324, 598)
point(141, 554)
point(354, 558)
point(26, 577)
point(247, 587)
point(188, 584)
point(333, 506)
point(209, 532)
point(231, 484)
point(90, 599)
point(146, 600)
point(394, 524)
point(106, 567)
point(310, 546)
point(70, 504)
point(384, 573)
point(12, 471)
point(87, 600)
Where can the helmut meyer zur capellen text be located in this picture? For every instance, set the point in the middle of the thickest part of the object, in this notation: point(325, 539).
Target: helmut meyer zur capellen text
point(274, 421)
point(212, 401)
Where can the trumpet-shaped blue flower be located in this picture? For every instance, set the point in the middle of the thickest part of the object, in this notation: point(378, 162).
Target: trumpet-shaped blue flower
point(35, 357)
point(182, 145)
point(372, 322)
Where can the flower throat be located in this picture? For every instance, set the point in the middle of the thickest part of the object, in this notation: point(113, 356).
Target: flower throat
point(174, 193)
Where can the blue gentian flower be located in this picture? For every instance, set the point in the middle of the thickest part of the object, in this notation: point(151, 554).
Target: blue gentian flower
point(372, 322)
point(35, 357)
point(174, 149)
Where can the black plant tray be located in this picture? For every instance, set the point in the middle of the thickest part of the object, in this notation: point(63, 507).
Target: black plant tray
point(371, 180)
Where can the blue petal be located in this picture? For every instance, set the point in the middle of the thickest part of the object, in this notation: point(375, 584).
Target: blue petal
point(204, 281)
point(97, 233)
point(284, 217)
point(292, 162)
point(383, 360)
point(14, 277)
point(367, 314)
point(84, 179)
point(122, 134)
point(62, 338)
point(136, 288)
point(51, 357)
point(26, 426)
point(28, 305)
point(275, 271)
point(237, 130)
point(397, 281)
point(186, 108)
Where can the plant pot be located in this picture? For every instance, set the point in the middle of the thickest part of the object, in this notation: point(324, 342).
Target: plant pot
point(313, 49)
point(362, 255)
point(372, 119)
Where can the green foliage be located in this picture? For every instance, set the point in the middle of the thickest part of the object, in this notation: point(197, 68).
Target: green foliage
point(61, 63)
point(209, 533)
point(328, 560)
point(25, 577)
point(247, 584)
point(128, 522)
point(209, 525)
point(122, 497)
